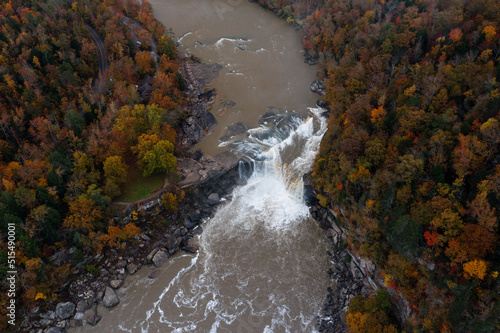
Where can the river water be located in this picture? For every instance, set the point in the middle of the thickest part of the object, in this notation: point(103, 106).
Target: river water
point(262, 262)
point(261, 54)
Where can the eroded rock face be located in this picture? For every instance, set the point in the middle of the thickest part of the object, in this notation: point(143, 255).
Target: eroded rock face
point(205, 168)
point(197, 76)
point(110, 298)
point(233, 130)
point(345, 274)
point(65, 310)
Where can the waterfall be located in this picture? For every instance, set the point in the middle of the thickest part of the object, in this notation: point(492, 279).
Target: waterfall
point(258, 268)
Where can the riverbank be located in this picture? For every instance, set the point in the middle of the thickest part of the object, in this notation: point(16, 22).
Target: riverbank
point(207, 182)
point(163, 234)
point(350, 276)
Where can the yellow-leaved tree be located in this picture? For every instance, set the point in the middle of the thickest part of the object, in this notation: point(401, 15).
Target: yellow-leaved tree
point(475, 269)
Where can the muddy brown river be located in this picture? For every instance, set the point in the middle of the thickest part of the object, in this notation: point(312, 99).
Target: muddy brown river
point(262, 262)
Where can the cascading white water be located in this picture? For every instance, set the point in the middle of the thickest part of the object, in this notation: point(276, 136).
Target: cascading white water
point(257, 267)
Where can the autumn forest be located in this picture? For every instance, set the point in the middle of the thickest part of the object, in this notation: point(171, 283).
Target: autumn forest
point(90, 93)
point(411, 158)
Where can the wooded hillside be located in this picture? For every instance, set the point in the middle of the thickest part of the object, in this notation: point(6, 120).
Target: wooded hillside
point(89, 90)
point(412, 152)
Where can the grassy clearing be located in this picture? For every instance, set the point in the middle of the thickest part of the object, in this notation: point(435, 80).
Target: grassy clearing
point(138, 187)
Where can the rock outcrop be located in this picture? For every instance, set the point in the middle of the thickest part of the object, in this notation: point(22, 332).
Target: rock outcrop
point(318, 87)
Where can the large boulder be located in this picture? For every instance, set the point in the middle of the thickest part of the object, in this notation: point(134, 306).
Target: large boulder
point(91, 317)
point(65, 310)
point(82, 305)
point(213, 199)
point(159, 258)
point(110, 298)
point(171, 243)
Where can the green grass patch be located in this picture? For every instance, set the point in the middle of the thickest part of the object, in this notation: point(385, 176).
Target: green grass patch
point(138, 187)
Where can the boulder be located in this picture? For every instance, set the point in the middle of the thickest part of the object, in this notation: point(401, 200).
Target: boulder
point(154, 274)
point(62, 323)
point(322, 104)
point(54, 330)
point(65, 310)
point(110, 298)
point(336, 228)
point(82, 305)
point(159, 258)
point(131, 268)
point(171, 243)
point(310, 61)
point(188, 223)
point(145, 238)
point(197, 231)
point(367, 265)
point(190, 248)
point(93, 319)
point(318, 87)
point(151, 255)
point(331, 233)
point(116, 283)
point(213, 199)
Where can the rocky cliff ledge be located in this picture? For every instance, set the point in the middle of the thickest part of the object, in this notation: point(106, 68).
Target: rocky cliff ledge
point(199, 99)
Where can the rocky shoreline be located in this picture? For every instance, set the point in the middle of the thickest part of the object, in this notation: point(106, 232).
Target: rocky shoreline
point(154, 246)
point(200, 121)
point(350, 276)
point(208, 181)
